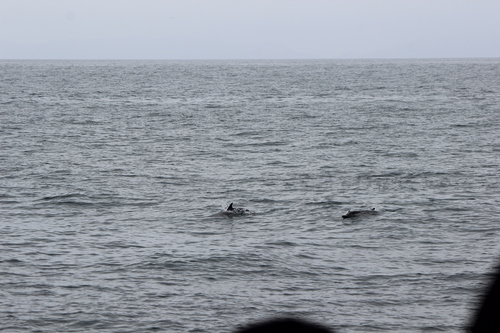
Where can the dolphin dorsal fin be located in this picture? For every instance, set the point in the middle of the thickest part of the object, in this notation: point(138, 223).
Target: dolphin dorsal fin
point(373, 208)
point(230, 207)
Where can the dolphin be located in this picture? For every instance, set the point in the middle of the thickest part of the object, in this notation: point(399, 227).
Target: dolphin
point(236, 211)
point(230, 211)
point(355, 213)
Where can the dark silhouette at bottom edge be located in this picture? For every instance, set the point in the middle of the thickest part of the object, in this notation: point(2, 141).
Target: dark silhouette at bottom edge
point(485, 319)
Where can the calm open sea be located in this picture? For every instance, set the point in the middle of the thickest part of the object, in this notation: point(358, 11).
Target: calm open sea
point(111, 173)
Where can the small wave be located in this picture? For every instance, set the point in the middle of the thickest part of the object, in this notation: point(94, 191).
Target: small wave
point(76, 199)
point(326, 203)
point(12, 261)
point(60, 197)
point(269, 143)
point(382, 175)
point(348, 142)
point(409, 154)
point(73, 199)
point(215, 106)
point(84, 122)
point(283, 243)
point(463, 125)
point(9, 202)
point(7, 102)
point(439, 328)
point(249, 133)
point(76, 286)
point(121, 245)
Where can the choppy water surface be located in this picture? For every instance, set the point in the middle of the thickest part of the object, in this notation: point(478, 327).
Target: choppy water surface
point(111, 172)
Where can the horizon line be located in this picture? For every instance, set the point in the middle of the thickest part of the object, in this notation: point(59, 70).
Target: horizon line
point(248, 59)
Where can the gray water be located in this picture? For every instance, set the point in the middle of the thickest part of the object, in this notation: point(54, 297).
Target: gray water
point(112, 175)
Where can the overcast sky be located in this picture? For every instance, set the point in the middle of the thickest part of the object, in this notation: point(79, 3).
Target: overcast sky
point(248, 29)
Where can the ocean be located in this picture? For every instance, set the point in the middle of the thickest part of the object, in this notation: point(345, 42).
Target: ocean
point(113, 174)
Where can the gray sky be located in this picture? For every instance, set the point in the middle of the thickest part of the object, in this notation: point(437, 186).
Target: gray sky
point(248, 29)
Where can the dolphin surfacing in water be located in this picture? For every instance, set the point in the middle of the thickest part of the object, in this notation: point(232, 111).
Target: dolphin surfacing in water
point(230, 211)
point(356, 213)
point(236, 211)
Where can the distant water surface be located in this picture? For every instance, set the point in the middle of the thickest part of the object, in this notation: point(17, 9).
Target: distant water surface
point(111, 172)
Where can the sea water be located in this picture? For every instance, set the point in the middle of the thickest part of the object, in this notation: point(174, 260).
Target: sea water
point(113, 172)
